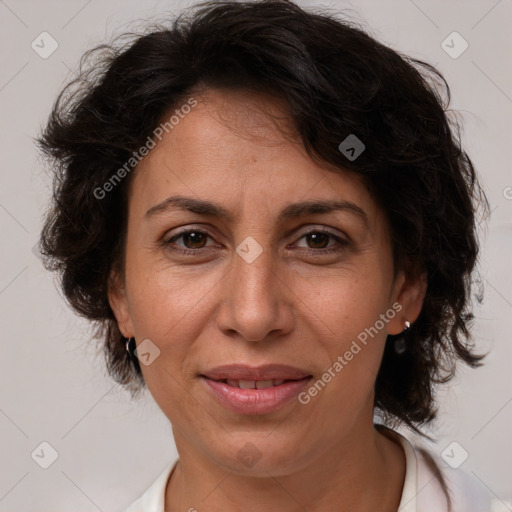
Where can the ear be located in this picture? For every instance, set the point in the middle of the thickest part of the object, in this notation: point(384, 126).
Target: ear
point(118, 301)
point(409, 291)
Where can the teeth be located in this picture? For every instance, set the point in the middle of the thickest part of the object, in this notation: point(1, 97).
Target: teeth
point(254, 384)
point(263, 384)
point(247, 384)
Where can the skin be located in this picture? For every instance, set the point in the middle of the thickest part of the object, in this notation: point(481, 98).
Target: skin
point(294, 304)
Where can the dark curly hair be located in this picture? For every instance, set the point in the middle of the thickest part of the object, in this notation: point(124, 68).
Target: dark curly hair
point(336, 80)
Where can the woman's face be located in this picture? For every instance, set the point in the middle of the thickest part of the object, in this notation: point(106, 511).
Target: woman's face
point(243, 270)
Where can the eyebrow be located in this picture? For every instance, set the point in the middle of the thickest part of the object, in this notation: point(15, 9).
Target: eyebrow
point(290, 211)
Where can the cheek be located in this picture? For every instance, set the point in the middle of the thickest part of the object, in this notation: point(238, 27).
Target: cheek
point(343, 304)
point(171, 306)
point(349, 311)
point(164, 295)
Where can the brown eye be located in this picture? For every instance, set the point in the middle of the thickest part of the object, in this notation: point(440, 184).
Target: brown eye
point(192, 239)
point(318, 240)
point(321, 241)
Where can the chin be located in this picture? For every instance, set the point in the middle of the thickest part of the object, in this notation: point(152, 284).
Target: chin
point(258, 455)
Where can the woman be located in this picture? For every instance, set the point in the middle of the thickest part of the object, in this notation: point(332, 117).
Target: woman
point(272, 221)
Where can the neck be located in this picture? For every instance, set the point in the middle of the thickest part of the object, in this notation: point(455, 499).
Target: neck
point(363, 473)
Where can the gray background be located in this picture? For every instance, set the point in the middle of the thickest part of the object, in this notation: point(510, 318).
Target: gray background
point(53, 384)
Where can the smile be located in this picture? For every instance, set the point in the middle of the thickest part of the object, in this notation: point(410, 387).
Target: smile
point(253, 384)
point(250, 397)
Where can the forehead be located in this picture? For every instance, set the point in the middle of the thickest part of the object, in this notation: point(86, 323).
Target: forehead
point(237, 147)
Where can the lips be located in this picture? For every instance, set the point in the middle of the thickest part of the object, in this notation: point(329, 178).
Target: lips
point(254, 390)
point(268, 372)
point(253, 384)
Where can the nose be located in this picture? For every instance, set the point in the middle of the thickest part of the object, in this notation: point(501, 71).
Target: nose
point(256, 302)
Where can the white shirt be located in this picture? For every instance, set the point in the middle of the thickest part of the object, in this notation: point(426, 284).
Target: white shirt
point(422, 490)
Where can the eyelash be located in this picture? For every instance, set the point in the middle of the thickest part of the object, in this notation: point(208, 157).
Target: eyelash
point(342, 242)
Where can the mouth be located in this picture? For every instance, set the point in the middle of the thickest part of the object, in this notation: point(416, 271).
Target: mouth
point(253, 384)
point(248, 374)
point(254, 390)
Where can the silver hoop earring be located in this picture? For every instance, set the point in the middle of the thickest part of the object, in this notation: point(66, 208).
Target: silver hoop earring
point(131, 348)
